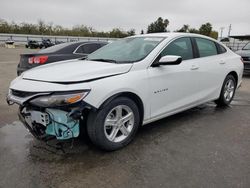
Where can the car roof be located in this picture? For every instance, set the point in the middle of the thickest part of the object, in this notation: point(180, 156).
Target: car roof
point(85, 41)
point(172, 35)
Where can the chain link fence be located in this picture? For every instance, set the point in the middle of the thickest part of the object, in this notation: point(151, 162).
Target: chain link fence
point(236, 45)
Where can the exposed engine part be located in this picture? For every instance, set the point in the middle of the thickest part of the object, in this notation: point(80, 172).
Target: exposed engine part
point(50, 123)
point(61, 125)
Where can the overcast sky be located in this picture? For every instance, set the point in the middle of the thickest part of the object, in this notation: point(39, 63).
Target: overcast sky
point(103, 15)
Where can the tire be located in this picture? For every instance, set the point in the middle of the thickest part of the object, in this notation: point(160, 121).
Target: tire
point(229, 87)
point(108, 129)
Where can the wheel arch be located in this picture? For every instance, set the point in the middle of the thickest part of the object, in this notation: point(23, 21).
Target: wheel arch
point(131, 96)
point(235, 75)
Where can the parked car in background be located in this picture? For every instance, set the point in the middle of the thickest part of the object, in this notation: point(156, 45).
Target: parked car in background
point(126, 84)
point(64, 51)
point(32, 44)
point(245, 54)
point(9, 41)
point(58, 42)
point(46, 43)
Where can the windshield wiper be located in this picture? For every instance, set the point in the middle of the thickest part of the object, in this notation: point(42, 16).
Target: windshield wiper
point(104, 60)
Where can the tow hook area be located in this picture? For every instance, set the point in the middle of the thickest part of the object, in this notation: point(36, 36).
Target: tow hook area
point(51, 122)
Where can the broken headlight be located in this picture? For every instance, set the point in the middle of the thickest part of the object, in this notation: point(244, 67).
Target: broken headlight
point(59, 99)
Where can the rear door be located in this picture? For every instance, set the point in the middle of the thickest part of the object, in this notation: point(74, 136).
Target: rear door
point(212, 68)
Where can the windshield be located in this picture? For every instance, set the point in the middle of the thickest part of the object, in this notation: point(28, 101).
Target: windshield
point(247, 47)
point(127, 50)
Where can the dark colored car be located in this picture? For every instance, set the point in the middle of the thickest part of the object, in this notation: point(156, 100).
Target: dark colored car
point(32, 44)
point(46, 43)
point(9, 41)
point(245, 54)
point(60, 52)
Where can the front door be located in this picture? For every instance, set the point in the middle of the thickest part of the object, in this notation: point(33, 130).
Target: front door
point(174, 87)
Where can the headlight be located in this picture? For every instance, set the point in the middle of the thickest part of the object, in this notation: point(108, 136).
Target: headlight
point(59, 99)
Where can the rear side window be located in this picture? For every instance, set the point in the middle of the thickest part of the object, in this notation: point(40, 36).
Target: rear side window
point(180, 47)
point(221, 49)
point(89, 48)
point(206, 47)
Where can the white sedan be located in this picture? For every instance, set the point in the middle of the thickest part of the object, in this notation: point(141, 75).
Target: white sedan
point(126, 84)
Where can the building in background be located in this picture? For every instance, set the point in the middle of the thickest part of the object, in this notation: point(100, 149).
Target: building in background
point(236, 42)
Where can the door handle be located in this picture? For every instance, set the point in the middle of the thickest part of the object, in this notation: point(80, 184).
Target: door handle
point(194, 67)
point(222, 62)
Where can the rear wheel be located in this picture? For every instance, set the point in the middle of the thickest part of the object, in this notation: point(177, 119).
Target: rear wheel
point(114, 125)
point(227, 91)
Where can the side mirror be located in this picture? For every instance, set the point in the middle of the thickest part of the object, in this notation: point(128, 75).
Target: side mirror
point(169, 60)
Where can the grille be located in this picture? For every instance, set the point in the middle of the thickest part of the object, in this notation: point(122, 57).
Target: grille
point(22, 94)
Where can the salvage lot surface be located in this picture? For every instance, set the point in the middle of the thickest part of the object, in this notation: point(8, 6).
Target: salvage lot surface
point(202, 147)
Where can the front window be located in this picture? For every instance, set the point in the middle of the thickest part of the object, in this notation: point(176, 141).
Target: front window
point(247, 47)
point(180, 47)
point(127, 50)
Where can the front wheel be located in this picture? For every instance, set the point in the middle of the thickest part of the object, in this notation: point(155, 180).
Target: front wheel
point(227, 91)
point(114, 125)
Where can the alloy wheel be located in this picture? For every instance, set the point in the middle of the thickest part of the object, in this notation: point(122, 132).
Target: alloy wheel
point(229, 90)
point(119, 123)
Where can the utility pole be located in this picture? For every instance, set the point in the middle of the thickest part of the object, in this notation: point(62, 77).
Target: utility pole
point(221, 32)
point(229, 29)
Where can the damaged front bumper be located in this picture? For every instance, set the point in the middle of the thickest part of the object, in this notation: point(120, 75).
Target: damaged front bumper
point(48, 123)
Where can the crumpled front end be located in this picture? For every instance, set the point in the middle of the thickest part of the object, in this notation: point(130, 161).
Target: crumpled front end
point(48, 123)
point(52, 114)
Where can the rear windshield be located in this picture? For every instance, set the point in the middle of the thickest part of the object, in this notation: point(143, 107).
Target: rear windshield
point(53, 49)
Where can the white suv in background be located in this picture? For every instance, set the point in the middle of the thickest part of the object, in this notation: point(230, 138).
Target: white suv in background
point(126, 84)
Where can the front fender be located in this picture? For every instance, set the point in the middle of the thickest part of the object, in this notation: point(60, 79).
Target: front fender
point(133, 82)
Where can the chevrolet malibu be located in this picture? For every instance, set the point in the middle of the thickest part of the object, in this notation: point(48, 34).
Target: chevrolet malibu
point(125, 84)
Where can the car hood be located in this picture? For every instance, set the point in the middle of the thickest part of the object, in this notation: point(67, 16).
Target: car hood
point(75, 71)
point(243, 53)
